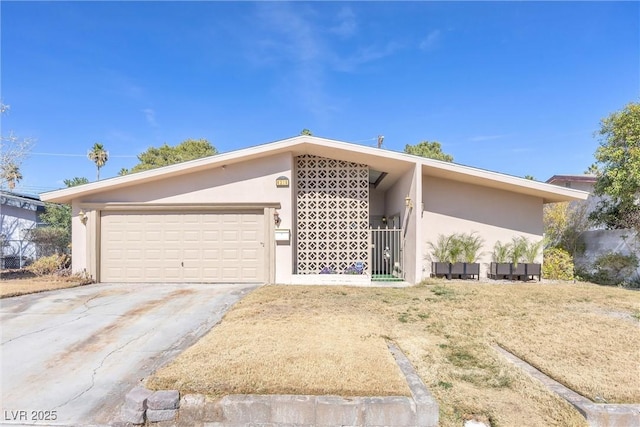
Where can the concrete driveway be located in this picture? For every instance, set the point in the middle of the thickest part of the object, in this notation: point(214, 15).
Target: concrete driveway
point(68, 357)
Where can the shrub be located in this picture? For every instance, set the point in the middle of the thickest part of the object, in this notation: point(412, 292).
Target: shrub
point(614, 268)
point(558, 264)
point(50, 264)
point(50, 240)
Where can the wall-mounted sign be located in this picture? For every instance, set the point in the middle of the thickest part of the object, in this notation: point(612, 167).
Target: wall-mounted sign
point(282, 182)
point(283, 235)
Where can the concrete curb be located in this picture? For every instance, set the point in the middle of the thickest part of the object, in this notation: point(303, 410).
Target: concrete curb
point(596, 414)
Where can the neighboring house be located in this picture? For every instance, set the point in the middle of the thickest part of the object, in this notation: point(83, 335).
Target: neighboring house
point(579, 182)
point(286, 211)
point(598, 241)
point(18, 214)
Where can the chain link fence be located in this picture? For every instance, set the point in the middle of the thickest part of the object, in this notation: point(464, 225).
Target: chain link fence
point(16, 254)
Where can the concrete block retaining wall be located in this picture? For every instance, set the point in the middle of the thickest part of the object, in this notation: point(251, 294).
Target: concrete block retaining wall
point(420, 409)
point(596, 414)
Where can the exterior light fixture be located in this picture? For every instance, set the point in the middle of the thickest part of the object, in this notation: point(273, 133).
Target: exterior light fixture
point(276, 219)
point(408, 202)
point(83, 216)
point(384, 220)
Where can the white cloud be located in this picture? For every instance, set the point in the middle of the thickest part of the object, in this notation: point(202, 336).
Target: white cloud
point(347, 25)
point(150, 115)
point(365, 55)
point(521, 150)
point(480, 138)
point(295, 40)
point(431, 41)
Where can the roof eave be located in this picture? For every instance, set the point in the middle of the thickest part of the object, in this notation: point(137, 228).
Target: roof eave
point(549, 193)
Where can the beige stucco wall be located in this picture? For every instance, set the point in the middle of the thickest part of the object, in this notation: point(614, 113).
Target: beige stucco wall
point(395, 205)
point(453, 207)
point(247, 182)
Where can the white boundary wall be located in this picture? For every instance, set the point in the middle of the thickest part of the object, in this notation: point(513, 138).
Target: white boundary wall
point(599, 242)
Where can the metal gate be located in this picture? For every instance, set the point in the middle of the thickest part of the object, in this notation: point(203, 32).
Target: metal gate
point(386, 255)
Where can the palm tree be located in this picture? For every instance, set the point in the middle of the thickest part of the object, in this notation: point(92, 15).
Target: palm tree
point(99, 156)
point(11, 173)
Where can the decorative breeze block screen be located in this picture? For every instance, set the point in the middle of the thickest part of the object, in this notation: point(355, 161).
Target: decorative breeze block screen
point(332, 201)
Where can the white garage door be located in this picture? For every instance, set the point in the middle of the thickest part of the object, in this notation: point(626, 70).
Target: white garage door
point(181, 247)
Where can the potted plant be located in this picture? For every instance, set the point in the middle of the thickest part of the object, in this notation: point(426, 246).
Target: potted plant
point(456, 255)
point(456, 267)
point(516, 259)
point(517, 250)
point(500, 268)
point(466, 265)
point(531, 267)
point(440, 253)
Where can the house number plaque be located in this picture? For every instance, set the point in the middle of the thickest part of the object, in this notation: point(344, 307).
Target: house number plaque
point(282, 182)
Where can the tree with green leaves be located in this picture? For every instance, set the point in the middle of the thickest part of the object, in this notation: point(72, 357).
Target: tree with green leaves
point(57, 215)
point(56, 236)
point(430, 149)
point(564, 225)
point(592, 170)
point(10, 173)
point(99, 156)
point(165, 155)
point(618, 166)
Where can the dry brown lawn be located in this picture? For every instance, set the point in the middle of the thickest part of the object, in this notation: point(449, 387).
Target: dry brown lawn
point(331, 340)
point(21, 282)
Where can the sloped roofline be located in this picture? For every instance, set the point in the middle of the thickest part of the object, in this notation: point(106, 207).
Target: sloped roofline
point(572, 178)
point(317, 146)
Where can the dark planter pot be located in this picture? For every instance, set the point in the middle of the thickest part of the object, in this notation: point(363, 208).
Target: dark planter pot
point(471, 269)
point(457, 270)
point(533, 269)
point(465, 270)
point(500, 270)
point(440, 269)
point(519, 270)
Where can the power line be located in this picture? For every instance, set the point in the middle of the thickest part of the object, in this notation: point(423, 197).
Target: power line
point(71, 155)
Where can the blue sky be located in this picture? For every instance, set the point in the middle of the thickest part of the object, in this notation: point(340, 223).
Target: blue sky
point(514, 87)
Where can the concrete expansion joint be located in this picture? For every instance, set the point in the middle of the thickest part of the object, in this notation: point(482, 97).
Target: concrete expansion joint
point(596, 414)
point(165, 408)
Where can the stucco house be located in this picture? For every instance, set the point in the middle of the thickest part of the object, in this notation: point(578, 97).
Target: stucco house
point(18, 214)
point(578, 182)
point(291, 212)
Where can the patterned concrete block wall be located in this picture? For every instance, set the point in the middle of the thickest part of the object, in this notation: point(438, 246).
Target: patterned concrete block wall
point(332, 215)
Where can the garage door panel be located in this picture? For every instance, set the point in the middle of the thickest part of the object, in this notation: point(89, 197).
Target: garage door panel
point(249, 254)
point(230, 236)
point(153, 254)
point(153, 235)
point(174, 247)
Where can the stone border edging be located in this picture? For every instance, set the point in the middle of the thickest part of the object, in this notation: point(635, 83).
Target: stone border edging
point(596, 414)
